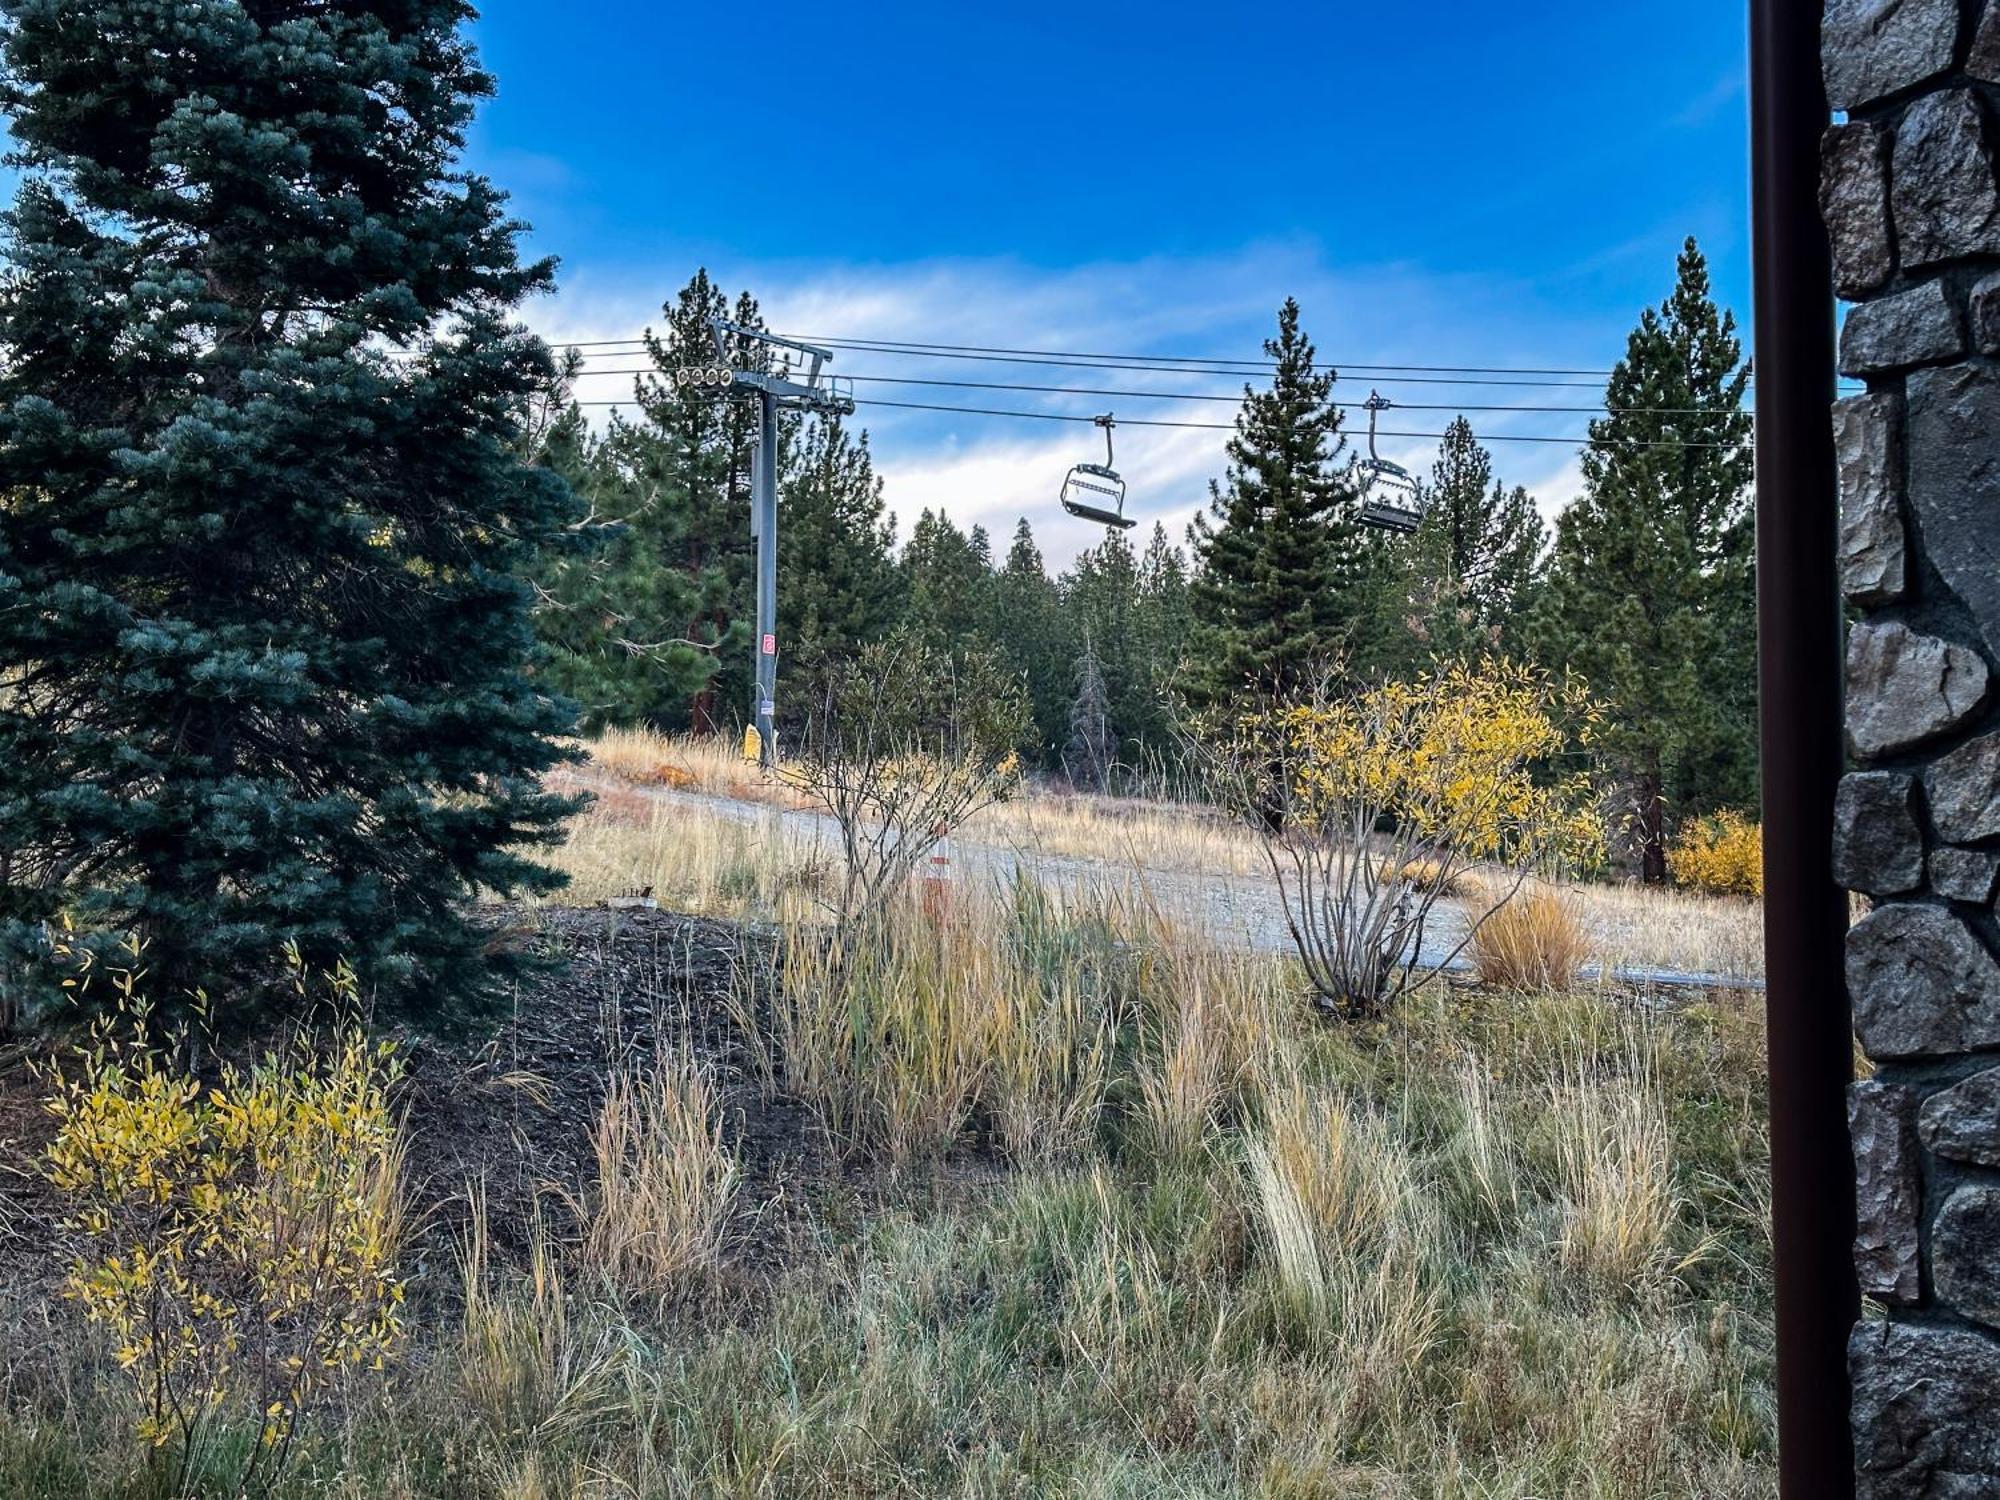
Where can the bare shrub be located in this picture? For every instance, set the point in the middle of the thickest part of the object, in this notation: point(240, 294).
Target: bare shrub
point(901, 744)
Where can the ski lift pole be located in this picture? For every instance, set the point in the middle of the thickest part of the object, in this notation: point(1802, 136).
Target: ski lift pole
point(764, 521)
point(809, 389)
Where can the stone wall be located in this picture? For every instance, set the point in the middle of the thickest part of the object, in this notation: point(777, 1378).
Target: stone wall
point(1912, 201)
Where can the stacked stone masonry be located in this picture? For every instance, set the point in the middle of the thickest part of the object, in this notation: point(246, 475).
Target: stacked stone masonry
point(1911, 195)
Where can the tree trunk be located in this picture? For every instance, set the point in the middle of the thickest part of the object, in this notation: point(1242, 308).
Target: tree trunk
point(1652, 823)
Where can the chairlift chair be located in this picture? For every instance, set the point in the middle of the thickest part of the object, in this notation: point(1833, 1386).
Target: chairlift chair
point(1390, 498)
point(1094, 491)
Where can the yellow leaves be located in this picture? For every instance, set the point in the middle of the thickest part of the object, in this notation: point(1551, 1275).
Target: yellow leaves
point(1461, 759)
point(1722, 854)
point(267, 1202)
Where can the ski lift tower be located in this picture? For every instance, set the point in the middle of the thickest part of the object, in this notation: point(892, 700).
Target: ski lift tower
point(795, 380)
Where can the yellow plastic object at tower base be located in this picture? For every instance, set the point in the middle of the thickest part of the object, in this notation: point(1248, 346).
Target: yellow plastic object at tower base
point(753, 743)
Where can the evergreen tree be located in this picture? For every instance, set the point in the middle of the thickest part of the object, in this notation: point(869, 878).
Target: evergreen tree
point(837, 584)
point(1031, 630)
point(1475, 559)
point(1164, 626)
point(691, 451)
point(1101, 595)
point(1092, 746)
point(263, 638)
point(1651, 595)
point(1279, 551)
point(946, 575)
point(611, 614)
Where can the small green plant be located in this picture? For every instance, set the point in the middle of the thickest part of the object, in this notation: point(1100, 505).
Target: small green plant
point(237, 1241)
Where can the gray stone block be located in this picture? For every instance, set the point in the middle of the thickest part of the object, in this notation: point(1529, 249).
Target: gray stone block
point(1888, 1190)
point(1868, 449)
point(1965, 1252)
point(1917, 327)
point(1964, 875)
point(1923, 1412)
point(1983, 59)
point(1984, 305)
point(1942, 185)
point(1922, 984)
point(1878, 842)
point(1963, 1121)
point(1904, 688)
point(1964, 791)
point(1873, 48)
point(1854, 201)
point(1954, 483)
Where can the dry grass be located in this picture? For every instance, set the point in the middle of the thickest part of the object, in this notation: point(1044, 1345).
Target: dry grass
point(1217, 1246)
point(1534, 941)
point(1613, 1151)
point(1148, 834)
point(666, 1184)
point(1637, 926)
point(702, 860)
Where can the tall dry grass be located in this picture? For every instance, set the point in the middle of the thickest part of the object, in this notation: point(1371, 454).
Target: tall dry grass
point(1533, 941)
point(666, 1184)
point(1220, 1247)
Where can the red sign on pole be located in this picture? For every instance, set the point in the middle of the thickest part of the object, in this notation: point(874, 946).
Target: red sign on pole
point(770, 645)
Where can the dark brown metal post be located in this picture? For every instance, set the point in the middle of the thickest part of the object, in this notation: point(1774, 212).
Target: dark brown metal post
point(1799, 679)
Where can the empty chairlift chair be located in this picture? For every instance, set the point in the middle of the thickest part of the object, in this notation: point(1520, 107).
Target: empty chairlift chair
point(1094, 491)
point(1390, 498)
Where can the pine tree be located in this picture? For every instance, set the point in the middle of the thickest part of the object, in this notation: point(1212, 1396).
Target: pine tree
point(611, 614)
point(691, 449)
point(1278, 552)
point(263, 638)
point(1093, 746)
point(1102, 602)
point(837, 584)
point(1651, 593)
point(1476, 558)
point(1029, 627)
point(946, 575)
point(1164, 627)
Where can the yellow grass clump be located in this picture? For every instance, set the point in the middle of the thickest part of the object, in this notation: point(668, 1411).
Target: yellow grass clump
point(1533, 941)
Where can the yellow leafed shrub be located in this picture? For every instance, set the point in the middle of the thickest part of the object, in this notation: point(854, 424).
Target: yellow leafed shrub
point(1722, 854)
point(237, 1241)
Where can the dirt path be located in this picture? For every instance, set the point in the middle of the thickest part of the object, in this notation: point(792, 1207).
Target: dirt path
point(1237, 910)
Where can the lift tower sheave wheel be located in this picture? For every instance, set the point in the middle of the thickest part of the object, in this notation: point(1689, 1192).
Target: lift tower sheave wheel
point(1390, 499)
point(1095, 492)
point(800, 384)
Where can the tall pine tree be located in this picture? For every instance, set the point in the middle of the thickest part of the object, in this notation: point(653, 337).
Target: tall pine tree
point(1277, 552)
point(612, 613)
point(1034, 635)
point(837, 584)
point(946, 578)
point(1476, 558)
point(692, 450)
point(263, 639)
point(1651, 595)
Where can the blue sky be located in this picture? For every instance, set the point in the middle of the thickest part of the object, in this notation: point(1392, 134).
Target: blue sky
point(1445, 184)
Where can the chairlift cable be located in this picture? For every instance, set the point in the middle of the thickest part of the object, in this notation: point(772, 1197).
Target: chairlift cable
point(1052, 416)
point(1233, 398)
point(1178, 364)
